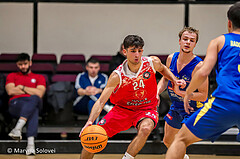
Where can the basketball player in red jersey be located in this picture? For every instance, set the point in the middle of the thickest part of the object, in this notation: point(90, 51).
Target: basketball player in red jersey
point(133, 90)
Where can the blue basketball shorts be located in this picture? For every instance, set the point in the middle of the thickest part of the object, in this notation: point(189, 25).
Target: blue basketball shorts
point(214, 118)
point(175, 118)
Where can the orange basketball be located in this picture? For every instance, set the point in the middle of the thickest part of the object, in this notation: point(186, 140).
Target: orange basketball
point(94, 138)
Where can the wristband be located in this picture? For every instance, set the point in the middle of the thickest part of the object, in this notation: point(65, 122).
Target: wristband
point(23, 89)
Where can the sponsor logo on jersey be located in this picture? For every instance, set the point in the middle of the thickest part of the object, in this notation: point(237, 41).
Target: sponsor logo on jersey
point(102, 122)
point(33, 80)
point(140, 94)
point(185, 78)
point(146, 75)
point(169, 116)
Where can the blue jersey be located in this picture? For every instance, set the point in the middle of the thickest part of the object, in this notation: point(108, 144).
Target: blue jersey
point(228, 69)
point(83, 81)
point(186, 74)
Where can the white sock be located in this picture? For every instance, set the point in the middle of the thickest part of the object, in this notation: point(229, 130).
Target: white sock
point(30, 140)
point(186, 156)
point(127, 156)
point(20, 124)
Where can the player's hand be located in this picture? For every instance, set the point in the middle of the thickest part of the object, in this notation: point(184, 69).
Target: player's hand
point(181, 82)
point(187, 107)
point(176, 89)
point(89, 123)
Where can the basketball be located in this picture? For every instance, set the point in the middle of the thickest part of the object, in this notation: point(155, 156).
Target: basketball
point(94, 138)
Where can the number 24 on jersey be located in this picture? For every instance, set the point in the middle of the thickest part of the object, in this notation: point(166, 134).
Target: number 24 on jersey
point(137, 85)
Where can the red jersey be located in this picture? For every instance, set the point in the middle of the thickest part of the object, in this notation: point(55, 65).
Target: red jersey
point(28, 80)
point(136, 91)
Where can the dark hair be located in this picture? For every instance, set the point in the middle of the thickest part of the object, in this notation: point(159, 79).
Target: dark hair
point(92, 60)
point(190, 30)
point(23, 57)
point(133, 40)
point(233, 15)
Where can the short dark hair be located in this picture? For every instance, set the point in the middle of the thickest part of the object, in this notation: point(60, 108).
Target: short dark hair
point(92, 60)
point(23, 57)
point(190, 30)
point(233, 15)
point(133, 40)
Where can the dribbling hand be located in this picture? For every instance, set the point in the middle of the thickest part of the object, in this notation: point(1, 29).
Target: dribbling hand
point(89, 123)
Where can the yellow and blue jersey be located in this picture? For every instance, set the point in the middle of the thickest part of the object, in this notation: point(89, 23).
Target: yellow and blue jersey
point(221, 112)
point(228, 69)
point(186, 74)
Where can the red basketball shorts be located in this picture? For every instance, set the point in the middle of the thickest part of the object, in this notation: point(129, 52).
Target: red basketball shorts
point(121, 119)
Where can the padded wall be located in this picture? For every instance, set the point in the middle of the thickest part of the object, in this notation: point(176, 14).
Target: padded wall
point(100, 28)
point(16, 27)
point(211, 20)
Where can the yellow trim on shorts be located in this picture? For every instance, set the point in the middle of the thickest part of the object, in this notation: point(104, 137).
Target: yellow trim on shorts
point(204, 110)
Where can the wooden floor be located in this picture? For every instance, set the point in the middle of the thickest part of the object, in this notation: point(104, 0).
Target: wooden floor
point(108, 156)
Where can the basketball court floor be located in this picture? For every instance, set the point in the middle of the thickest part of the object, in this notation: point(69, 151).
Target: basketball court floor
point(108, 156)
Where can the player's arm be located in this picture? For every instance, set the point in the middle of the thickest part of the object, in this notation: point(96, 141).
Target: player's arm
point(161, 68)
point(13, 90)
point(201, 75)
point(112, 83)
point(202, 93)
point(162, 84)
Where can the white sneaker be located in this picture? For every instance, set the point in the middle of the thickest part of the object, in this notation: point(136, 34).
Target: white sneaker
point(16, 134)
point(107, 108)
point(30, 150)
point(186, 156)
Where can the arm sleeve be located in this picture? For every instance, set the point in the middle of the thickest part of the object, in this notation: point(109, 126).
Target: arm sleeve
point(10, 78)
point(41, 81)
point(104, 81)
point(77, 81)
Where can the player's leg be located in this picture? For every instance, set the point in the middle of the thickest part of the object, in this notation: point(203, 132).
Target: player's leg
point(145, 127)
point(173, 121)
point(169, 134)
point(86, 155)
point(209, 122)
point(182, 140)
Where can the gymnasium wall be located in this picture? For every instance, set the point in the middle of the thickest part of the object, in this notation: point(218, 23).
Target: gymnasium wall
point(211, 20)
point(16, 27)
point(100, 28)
